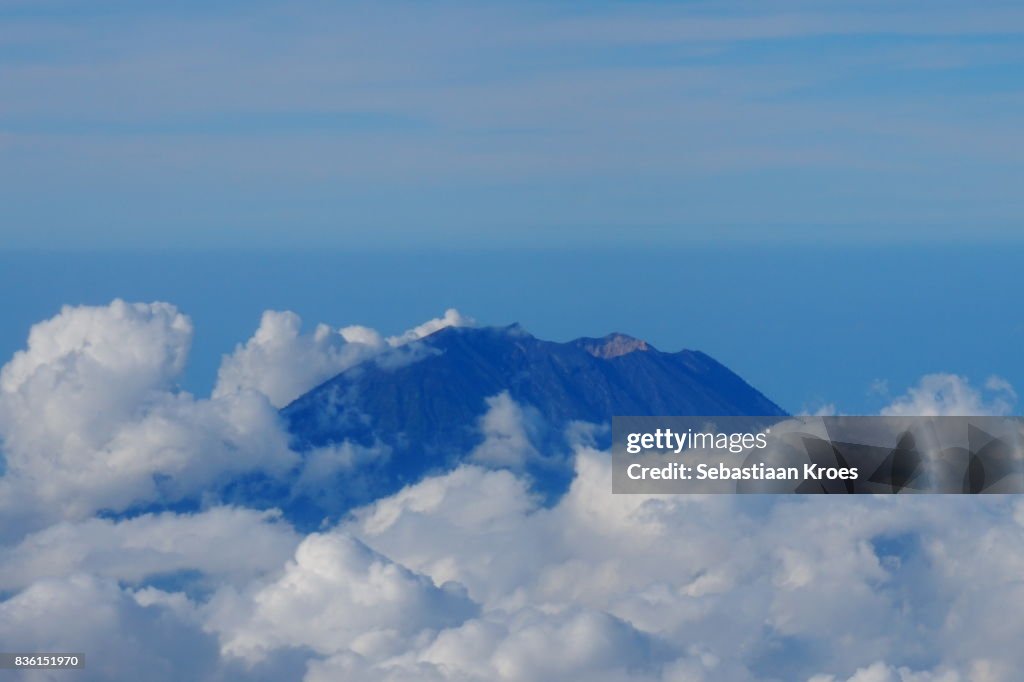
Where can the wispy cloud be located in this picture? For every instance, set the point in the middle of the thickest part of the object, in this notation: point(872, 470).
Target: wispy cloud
point(863, 115)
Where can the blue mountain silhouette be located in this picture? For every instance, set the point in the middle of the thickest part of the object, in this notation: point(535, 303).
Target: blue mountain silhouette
point(420, 406)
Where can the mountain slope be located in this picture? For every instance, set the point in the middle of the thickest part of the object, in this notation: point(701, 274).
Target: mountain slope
point(423, 405)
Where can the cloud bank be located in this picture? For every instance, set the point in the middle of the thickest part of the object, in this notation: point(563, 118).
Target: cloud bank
point(466, 576)
point(91, 419)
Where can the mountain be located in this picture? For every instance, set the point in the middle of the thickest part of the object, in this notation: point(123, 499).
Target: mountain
point(421, 405)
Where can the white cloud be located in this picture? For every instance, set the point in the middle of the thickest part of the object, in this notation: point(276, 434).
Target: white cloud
point(118, 636)
point(880, 672)
point(624, 587)
point(359, 334)
point(338, 595)
point(124, 635)
point(451, 318)
point(825, 410)
point(465, 576)
point(999, 385)
point(134, 345)
point(852, 580)
point(90, 418)
point(950, 394)
point(540, 646)
point(323, 466)
point(211, 543)
point(282, 363)
point(488, 511)
point(529, 645)
point(509, 431)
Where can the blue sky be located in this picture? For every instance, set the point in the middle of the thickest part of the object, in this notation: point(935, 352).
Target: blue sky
point(548, 163)
point(809, 326)
point(128, 125)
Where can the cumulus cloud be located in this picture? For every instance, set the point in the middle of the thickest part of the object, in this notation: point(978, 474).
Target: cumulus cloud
point(470, 577)
point(121, 639)
point(950, 394)
point(222, 543)
point(282, 363)
point(338, 595)
point(466, 576)
point(90, 418)
point(772, 586)
point(87, 368)
point(133, 346)
point(510, 431)
point(124, 635)
point(527, 646)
